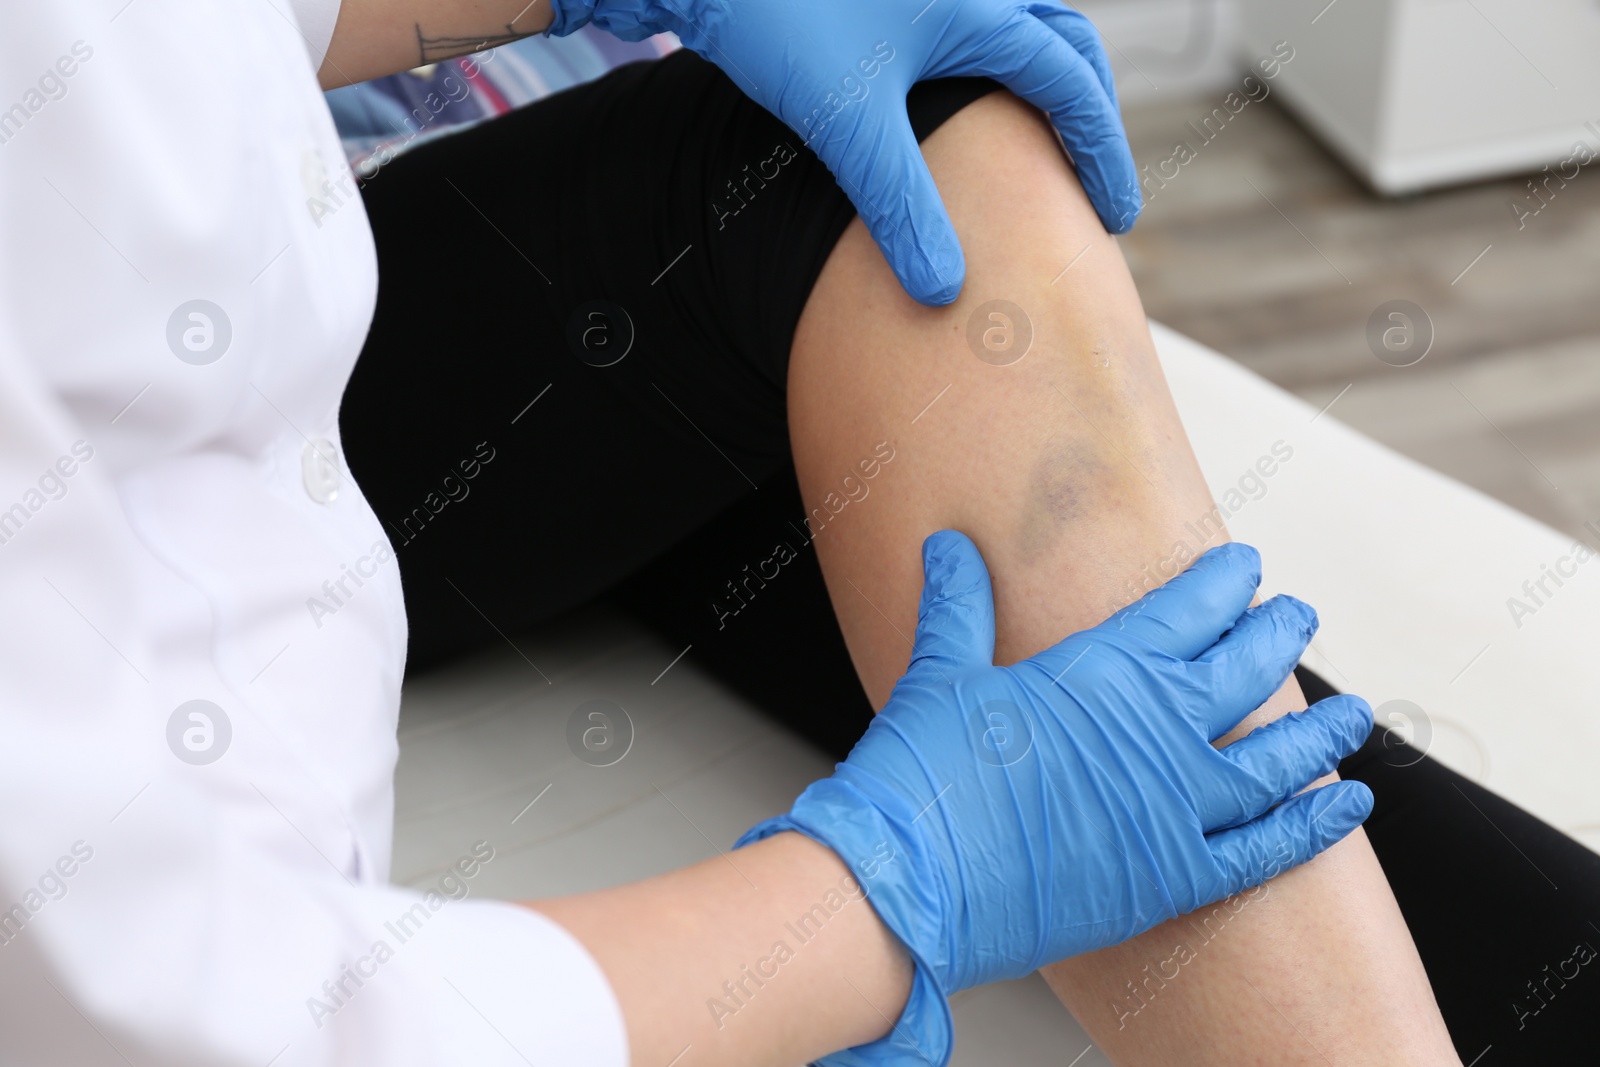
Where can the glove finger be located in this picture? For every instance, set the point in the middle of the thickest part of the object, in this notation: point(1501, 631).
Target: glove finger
point(1076, 29)
point(1188, 614)
point(955, 620)
point(1285, 837)
point(880, 168)
point(1288, 754)
point(1035, 63)
point(1249, 663)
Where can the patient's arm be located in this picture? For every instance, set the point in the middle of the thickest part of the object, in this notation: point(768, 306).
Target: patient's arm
point(1071, 471)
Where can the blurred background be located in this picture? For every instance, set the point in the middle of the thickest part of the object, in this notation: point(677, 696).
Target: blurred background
point(1431, 151)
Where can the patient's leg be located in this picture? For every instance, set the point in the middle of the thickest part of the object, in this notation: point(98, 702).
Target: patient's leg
point(1071, 471)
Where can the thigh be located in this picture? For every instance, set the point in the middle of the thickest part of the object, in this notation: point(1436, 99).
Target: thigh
point(1031, 414)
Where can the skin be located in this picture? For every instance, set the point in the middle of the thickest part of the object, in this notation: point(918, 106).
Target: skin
point(1070, 470)
point(668, 944)
point(378, 37)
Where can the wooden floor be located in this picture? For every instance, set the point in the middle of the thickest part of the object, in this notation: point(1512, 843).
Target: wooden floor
point(1267, 249)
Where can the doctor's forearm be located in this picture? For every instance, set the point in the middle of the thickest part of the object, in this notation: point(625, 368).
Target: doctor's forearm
point(767, 955)
point(378, 37)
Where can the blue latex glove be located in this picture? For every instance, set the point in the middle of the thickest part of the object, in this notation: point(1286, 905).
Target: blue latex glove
point(1003, 818)
point(837, 72)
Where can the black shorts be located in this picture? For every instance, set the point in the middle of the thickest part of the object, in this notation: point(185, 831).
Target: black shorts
point(575, 382)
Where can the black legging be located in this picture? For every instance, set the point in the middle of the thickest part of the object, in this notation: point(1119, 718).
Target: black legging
point(576, 375)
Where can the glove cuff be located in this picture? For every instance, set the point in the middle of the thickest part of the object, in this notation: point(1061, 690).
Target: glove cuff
point(570, 16)
point(924, 1034)
point(627, 20)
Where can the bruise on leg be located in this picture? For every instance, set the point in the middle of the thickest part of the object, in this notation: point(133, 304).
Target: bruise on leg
point(1068, 479)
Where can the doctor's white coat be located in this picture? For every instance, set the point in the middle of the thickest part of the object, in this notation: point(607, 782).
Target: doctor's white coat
point(195, 770)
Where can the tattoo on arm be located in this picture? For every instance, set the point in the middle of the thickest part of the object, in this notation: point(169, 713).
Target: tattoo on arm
point(433, 49)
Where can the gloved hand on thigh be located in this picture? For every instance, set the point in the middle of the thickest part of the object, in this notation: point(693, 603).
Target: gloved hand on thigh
point(837, 72)
point(1004, 818)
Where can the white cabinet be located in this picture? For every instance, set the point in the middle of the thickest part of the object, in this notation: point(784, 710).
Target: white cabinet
point(1421, 93)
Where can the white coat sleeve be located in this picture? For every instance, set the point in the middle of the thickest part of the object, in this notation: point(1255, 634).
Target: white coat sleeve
point(196, 773)
point(317, 19)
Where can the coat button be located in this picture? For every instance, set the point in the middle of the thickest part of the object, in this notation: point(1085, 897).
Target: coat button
point(319, 468)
